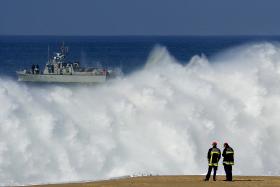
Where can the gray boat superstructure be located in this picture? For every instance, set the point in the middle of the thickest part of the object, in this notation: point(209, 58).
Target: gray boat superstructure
point(60, 71)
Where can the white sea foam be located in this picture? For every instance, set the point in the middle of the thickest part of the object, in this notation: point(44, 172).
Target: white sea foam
point(159, 120)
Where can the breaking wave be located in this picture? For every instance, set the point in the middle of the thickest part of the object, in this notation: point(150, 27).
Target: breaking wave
point(159, 120)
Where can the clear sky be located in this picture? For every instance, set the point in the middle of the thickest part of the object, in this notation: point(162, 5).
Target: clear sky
point(139, 17)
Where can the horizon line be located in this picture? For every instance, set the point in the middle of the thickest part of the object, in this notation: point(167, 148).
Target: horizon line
point(136, 35)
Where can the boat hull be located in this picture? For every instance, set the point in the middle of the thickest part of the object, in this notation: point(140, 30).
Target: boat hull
point(61, 78)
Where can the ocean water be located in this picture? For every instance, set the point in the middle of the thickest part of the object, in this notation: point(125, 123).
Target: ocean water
point(176, 96)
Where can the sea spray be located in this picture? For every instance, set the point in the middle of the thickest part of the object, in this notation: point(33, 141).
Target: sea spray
point(159, 120)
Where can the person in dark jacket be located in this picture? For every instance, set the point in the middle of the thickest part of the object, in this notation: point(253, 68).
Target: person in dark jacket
point(32, 68)
point(228, 161)
point(213, 156)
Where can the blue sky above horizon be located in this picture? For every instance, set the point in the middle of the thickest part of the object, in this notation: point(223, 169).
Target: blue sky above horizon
point(139, 17)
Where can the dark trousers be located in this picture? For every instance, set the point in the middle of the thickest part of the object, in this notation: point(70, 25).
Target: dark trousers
point(228, 170)
point(209, 172)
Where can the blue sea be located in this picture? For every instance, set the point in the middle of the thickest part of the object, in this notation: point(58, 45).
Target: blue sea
point(128, 53)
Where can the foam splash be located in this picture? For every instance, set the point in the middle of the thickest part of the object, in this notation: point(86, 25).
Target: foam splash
point(159, 120)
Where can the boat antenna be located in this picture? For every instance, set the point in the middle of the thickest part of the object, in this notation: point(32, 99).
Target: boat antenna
point(48, 53)
point(62, 48)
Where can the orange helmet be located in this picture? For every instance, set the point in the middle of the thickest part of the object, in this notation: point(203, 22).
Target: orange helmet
point(214, 143)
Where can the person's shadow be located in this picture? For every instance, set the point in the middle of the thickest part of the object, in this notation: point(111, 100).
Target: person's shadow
point(247, 180)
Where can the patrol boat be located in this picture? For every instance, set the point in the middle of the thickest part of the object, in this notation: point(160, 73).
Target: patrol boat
point(57, 70)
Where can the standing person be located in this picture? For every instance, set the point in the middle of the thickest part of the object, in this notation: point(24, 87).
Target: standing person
point(32, 68)
point(213, 156)
point(228, 161)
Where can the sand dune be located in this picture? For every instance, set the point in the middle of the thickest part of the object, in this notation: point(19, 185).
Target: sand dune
point(177, 181)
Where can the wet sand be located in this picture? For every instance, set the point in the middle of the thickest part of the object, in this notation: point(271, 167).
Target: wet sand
point(177, 181)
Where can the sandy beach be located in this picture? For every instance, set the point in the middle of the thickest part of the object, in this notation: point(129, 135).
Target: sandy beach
point(177, 181)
